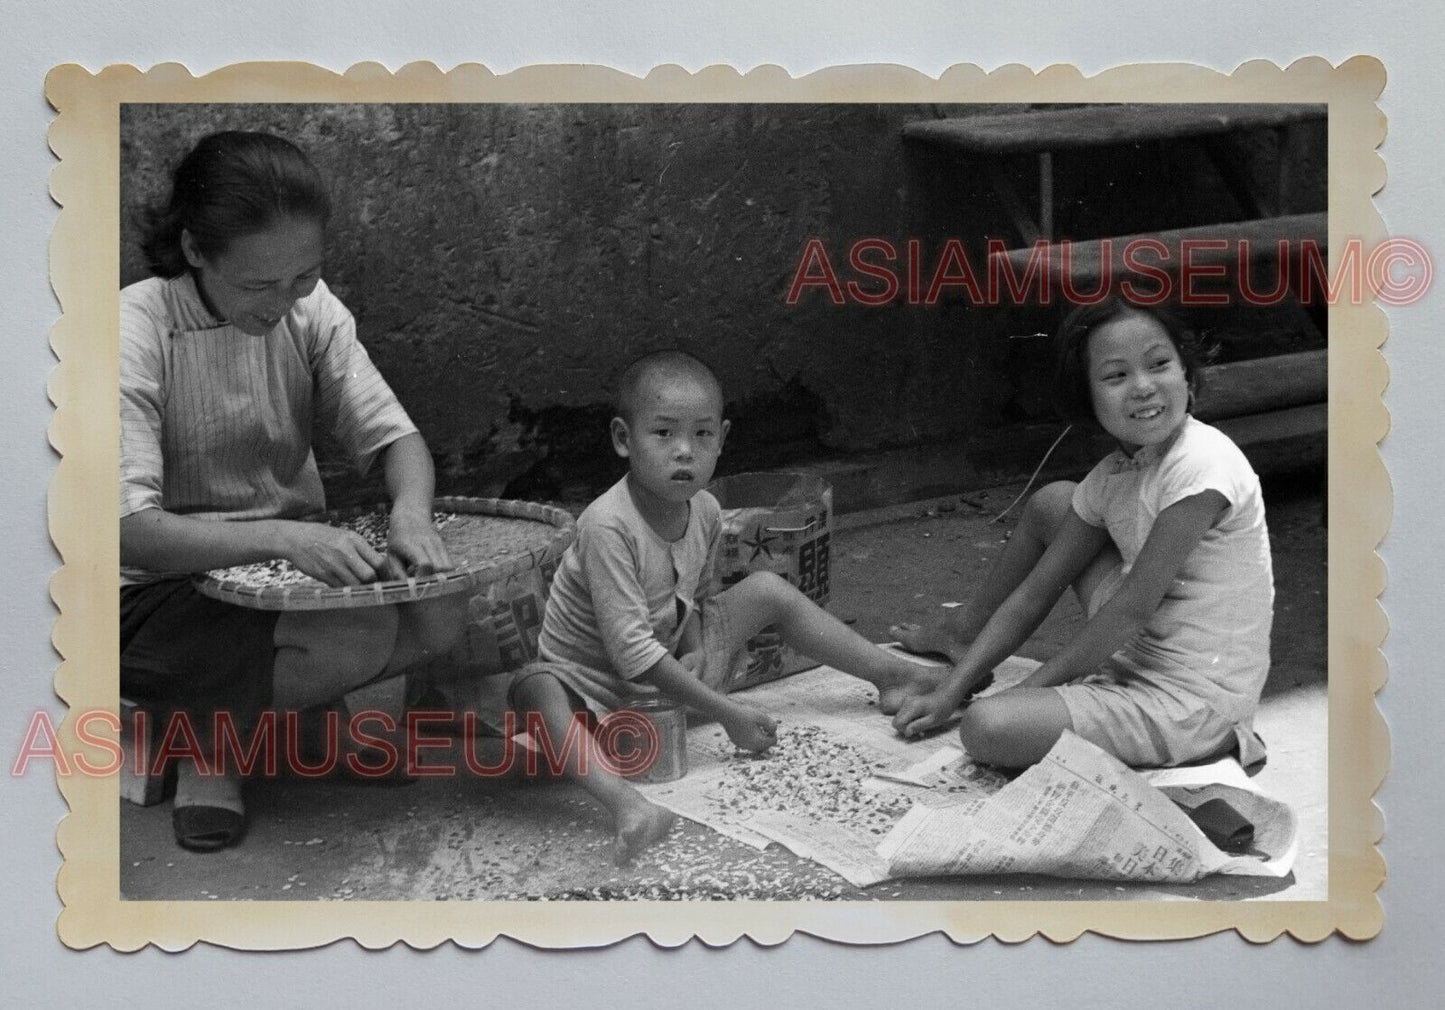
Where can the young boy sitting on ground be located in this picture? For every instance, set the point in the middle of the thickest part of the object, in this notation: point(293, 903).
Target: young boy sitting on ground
point(632, 613)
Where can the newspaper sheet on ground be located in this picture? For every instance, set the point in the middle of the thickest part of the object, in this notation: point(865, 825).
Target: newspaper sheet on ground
point(838, 780)
point(843, 789)
point(1082, 813)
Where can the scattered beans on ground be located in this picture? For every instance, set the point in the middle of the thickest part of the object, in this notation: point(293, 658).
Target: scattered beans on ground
point(814, 777)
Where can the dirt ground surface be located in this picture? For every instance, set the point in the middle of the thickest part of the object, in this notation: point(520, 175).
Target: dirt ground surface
point(467, 838)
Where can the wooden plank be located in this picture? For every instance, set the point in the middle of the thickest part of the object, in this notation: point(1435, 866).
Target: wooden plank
point(1003, 186)
point(1263, 384)
point(1046, 195)
point(1281, 439)
point(1087, 259)
point(1101, 125)
point(1238, 179)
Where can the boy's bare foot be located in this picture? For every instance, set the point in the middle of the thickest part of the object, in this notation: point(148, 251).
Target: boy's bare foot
point(639, 825)
point(891, 699)
point(913, 679)
point(929, 639)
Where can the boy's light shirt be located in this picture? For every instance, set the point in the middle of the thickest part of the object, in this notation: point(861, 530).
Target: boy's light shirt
point(622, 594)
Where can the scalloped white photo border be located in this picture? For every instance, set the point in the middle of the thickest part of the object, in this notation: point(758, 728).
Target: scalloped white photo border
point(84, 389)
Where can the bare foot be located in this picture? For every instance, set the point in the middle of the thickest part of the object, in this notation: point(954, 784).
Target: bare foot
point(911, 679)
point(639, 825)
point(930, 639)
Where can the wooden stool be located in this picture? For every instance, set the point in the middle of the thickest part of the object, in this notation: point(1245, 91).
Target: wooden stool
point(137, 784)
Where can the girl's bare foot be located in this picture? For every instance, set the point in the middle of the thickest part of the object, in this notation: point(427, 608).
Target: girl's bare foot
point(930, 639)
point(640, 824)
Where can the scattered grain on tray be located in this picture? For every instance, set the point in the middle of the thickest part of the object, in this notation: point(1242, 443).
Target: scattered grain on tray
point(470, 539)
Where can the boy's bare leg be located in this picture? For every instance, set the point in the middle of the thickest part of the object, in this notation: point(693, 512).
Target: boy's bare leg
point(1043, 517)
point(637, 821)
point(764, 599)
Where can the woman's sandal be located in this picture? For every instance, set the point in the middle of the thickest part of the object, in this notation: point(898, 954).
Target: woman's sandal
point(208, 814)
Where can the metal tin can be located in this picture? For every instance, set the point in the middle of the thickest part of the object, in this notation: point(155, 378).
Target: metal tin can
point(667, 760)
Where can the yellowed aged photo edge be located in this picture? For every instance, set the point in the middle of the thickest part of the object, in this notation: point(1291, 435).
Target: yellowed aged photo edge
point(85, 137)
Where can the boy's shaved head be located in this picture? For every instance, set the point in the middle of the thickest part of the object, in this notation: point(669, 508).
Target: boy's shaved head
point(662, 368)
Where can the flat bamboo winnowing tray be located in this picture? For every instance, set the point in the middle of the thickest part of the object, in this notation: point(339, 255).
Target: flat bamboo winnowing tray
point(489, 539)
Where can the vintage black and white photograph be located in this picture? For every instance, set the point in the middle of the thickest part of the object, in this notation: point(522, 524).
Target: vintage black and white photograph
point(717, 501)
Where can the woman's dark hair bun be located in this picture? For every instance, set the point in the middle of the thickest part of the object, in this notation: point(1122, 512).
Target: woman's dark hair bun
point(231, 184)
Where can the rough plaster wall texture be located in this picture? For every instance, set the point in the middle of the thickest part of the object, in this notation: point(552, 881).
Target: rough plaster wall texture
point(505, 261)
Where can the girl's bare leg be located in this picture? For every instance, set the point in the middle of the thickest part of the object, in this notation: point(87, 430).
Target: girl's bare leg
point(1043, 516)
point(637, 822)
point(1014, 729)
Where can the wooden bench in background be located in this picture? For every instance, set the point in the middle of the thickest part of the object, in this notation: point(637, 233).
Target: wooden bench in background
point(1274, 407)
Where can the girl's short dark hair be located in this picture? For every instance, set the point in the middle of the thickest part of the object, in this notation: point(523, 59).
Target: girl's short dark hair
point(230, 185)
point(1073, 398)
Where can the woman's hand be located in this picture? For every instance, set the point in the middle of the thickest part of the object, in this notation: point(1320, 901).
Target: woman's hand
point(335, 556)
point(414, 547)
point(923, 712)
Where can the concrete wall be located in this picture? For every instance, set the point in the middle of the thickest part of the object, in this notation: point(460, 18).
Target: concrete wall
point(504, 261)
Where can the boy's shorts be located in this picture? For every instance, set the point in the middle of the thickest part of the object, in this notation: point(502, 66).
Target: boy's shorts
point(601, 691)
point(1144, 724)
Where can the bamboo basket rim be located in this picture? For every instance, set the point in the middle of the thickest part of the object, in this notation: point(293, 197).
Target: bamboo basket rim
point(474, 576)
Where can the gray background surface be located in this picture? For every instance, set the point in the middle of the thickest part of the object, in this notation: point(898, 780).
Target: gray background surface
point(1397, 969)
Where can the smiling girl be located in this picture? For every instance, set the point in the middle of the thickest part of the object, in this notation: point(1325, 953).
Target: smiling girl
point(1165, 544)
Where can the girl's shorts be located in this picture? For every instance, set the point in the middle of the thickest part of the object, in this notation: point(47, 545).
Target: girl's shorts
point(1144, 725)
point(601, 691)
